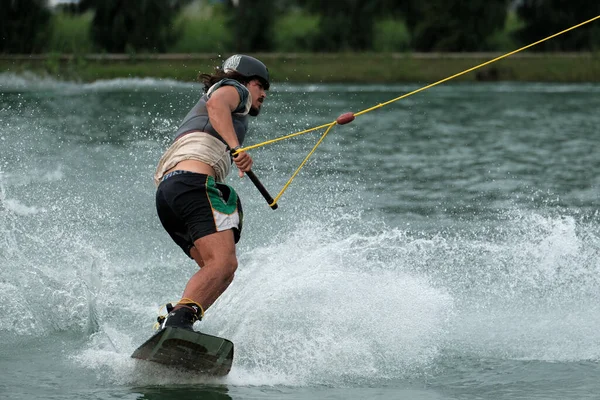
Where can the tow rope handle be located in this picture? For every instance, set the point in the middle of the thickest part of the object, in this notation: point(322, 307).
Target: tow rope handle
point(261, 188)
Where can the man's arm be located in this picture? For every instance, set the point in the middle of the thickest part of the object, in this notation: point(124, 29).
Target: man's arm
point(221, 104)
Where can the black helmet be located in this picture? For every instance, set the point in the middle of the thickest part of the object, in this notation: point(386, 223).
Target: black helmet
point(247, 66)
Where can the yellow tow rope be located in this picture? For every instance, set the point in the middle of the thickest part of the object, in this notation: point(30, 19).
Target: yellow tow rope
point(348, 117)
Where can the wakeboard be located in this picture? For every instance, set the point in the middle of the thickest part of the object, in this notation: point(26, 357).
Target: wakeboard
point(183, 348)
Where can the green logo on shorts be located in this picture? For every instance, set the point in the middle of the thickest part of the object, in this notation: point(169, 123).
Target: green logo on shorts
point(222, 197)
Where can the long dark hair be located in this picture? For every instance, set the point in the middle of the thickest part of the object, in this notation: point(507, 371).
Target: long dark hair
point(210, 79)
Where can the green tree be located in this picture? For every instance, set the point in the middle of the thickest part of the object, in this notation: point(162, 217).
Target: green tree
point(24, 25)
point(345, 24)
point(141, 25)
point(296, 31)
point(545, 17)
point(454, 25)
point(252, 23)
point(341, 24)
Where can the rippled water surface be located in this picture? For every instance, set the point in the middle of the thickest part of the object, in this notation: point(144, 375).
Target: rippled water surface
point(444, 246)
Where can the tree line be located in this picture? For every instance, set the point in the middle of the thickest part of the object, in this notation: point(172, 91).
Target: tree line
point(120, 26)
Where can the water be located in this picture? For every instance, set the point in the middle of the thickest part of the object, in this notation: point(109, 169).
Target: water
point(445, 246)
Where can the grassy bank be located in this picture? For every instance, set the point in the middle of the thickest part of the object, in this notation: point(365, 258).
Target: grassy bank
point(315, 68)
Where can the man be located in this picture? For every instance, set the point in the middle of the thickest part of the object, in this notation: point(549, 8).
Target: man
point(201, 213)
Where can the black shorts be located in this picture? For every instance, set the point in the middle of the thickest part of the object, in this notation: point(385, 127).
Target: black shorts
point(191, 206)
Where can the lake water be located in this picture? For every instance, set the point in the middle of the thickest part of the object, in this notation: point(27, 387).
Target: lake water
point(445, 246)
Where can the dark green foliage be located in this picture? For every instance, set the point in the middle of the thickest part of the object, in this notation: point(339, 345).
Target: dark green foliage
point(345, 24)
point(296, 32)
point(454, 25)
point(203, 32)
point(252, 22)
point(543, 18)
point(128, 26)
point(68, 8)
point(70, 33)
point(391, 35)
point(23, 25)
point(142, 25)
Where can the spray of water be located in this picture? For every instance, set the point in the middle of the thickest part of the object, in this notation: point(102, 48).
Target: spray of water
point(333, 299)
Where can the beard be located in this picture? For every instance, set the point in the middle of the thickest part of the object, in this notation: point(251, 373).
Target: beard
point(254, 111)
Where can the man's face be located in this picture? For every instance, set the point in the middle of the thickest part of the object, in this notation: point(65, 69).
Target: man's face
point(258, 93)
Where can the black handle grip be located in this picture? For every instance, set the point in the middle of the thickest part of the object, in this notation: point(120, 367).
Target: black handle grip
point(262, 189)
point(258, 184)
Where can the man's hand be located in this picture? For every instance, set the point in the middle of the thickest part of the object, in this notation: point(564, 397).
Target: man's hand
point(243, 161)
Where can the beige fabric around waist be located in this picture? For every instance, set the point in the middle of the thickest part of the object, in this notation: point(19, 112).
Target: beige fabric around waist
point(199, 146)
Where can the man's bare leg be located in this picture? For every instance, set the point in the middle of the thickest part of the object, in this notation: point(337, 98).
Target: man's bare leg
point(215, 254)
point(196, 256)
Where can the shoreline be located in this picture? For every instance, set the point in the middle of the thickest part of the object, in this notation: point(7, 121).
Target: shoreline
point(319, 67)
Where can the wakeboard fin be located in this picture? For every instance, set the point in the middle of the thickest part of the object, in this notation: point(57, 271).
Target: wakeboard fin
point(183, 348)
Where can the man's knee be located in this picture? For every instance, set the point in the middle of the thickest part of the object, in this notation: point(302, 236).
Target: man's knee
point(231, 266)
point(195, 254)
point(226, 266)
point(218, 251)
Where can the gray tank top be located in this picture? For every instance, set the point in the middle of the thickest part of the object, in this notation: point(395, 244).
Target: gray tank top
point(197, 119)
